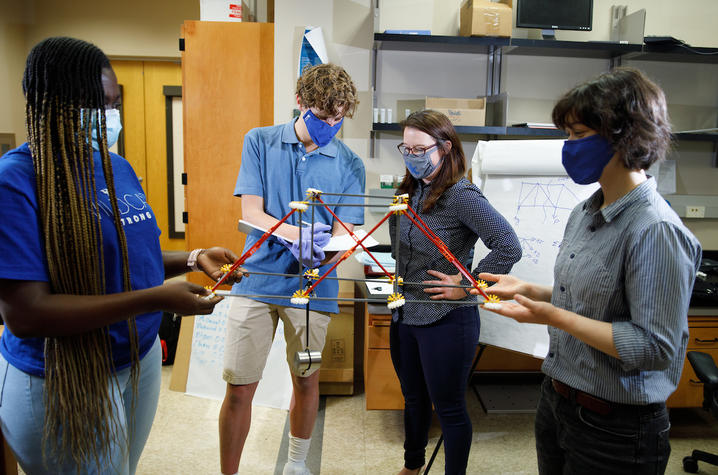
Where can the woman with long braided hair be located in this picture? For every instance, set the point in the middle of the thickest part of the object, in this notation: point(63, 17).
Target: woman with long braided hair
point(82, 276)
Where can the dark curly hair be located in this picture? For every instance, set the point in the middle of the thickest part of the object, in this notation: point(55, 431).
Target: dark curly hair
point(329, 88)
point(624, 107)
point(438, 126)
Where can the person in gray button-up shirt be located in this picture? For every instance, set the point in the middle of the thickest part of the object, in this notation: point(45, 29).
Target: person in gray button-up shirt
point(617, 312)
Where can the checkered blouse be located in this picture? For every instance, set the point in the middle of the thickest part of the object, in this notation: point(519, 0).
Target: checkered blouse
point(459, 217)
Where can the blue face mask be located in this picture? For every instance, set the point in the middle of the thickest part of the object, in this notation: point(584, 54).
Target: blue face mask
point(420, 167)
point(584, 159)
point(113, 126)
point(320, 132)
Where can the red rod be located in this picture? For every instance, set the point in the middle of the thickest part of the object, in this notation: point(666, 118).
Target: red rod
point(386, 272)
point(446, 252)
point(348, 253)
point(252, 250)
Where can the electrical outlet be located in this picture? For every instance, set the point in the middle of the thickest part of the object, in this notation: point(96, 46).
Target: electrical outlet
point(695, 211)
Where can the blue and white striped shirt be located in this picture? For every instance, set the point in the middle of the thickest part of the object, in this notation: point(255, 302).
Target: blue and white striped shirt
point(632, 263)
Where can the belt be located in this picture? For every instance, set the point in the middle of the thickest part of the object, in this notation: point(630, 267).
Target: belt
point(592, 403)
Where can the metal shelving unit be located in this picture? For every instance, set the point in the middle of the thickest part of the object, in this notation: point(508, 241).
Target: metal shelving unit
point(495, 48)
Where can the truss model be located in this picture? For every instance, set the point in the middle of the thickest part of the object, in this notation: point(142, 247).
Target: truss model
point(399, 206)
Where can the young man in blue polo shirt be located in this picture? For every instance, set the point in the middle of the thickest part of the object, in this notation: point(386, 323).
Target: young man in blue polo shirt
point(279, 164)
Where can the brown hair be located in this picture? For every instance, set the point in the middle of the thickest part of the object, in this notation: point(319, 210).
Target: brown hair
point(62, 83)
point(624, 107)
point(453, 167)
point(329, 88)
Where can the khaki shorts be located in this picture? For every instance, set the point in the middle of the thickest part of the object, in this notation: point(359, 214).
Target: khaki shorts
point(250, 330)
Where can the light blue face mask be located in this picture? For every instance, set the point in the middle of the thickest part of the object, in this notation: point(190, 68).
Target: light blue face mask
point(420, 166)
point(113, 125)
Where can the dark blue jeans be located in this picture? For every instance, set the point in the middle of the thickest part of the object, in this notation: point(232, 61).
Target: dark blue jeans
point(433, 364)
point(572, 439)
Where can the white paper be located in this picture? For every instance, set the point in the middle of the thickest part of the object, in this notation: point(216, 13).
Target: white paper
point(518, 157)
point(505, 332)
point(346, 241)
point(221, 10)
point(380, 288)
point(315, 38)
point(246, 227)
point(204, 376)
point(384, 258)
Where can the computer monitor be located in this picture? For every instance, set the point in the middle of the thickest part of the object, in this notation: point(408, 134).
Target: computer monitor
point(552, 15)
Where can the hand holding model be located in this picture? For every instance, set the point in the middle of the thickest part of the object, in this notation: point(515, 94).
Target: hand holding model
point(312, 253)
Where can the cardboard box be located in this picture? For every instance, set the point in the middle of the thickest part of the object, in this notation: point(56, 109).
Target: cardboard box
point(486, 18)
point(460, 111)
point(408, 105)
point(336, 375)
point(223, 10)
point(471, 112)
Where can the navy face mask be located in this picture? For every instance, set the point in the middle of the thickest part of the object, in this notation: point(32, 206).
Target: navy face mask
point(320, 132)
point(584, 159)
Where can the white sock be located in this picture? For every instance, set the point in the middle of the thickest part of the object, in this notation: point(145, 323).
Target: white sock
point(298, 449)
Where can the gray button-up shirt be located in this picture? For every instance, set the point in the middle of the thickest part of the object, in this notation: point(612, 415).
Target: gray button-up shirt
point(632, 263)
point(459, 217)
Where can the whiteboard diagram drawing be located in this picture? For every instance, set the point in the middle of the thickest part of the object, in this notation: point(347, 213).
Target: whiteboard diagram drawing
point(554, 198)
point(538, 208)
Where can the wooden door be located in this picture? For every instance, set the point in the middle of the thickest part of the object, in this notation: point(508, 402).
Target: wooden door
point(145, 132)
point(157, 75)
point(228, 89)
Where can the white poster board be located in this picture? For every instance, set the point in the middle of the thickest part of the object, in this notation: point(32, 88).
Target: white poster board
point(206, 363)
point(537, 204)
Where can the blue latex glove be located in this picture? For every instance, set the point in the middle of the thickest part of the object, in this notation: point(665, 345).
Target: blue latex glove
point(321, 239)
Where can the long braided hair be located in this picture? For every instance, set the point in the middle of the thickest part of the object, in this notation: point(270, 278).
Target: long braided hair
point(63, 86)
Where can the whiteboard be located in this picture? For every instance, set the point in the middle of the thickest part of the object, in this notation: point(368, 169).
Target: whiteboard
point(537, 205)
point(206, 363)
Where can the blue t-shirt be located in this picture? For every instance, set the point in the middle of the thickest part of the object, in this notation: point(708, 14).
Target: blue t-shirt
point(23, 250)
point(276, 166)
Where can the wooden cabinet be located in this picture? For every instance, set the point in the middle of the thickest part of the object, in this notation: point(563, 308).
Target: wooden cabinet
point(703, 328)
point(381, 385)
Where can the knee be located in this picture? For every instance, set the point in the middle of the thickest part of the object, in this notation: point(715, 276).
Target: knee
point(451, 410)
point(239, 396)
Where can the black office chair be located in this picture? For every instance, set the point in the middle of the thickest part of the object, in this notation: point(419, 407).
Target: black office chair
point(707, 372)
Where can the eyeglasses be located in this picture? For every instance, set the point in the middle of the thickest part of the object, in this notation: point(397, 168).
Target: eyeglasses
point(417, 151)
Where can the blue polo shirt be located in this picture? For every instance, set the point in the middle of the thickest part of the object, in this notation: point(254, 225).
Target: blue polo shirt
point(24, 258)
point(276, 166)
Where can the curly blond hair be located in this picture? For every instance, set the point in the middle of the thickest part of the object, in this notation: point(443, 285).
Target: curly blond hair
point(329, 88)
